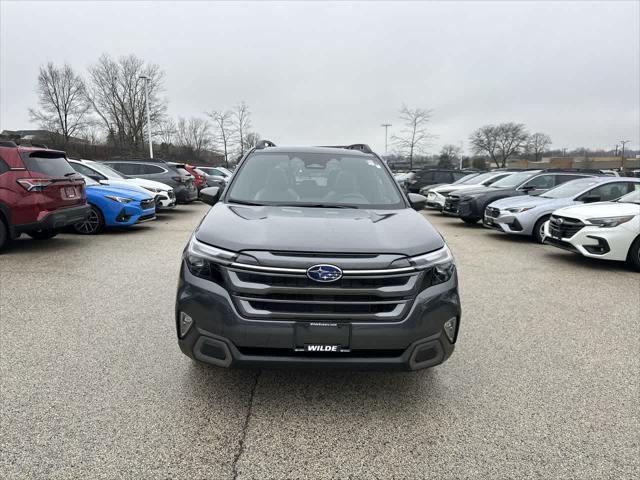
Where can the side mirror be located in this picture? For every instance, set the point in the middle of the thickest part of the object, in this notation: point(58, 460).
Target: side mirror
point(417, 201)
point(528, 188)
point(210, 195)
point(590, 198)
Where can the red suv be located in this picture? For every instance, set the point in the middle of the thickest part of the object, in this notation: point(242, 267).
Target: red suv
point(40, 193)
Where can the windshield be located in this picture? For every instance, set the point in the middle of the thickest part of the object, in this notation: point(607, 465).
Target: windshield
point(513, 180)
point(570, 189)
point(315, 179)
point(105, 170)
point(633, 197)
point(477, 180)
point(466, 179)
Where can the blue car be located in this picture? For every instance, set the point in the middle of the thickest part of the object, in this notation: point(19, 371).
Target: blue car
point(113, 206)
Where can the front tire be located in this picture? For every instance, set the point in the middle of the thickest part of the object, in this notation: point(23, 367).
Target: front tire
point(538, 229)
point(633, 257)
point(469, 220)
point(43, 234)
point(92, 225)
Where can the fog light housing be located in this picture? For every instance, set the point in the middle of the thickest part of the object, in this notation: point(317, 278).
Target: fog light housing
point(450, 328)
point(185, 324)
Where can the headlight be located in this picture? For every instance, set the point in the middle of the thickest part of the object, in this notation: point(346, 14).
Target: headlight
point(441, 266)
point(609, 222)
point(203, 259)
point(518, 209)
point(119, 199)
point(152, 189)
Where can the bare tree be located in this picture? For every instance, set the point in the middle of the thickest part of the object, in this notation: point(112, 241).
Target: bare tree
point(413, 138)
point(538, 144)
point(242, 124)
point(251, 139)
point(448, 155)
point(117, 94)
point(223, 122)
point(166, 131)
point(63, 108)
point(499, 142)
point(194, 134)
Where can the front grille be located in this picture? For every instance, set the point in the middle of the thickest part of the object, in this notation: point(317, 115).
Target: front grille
point(564, 227)
point(275, 296)
point(492, 212)
point(305, 282)
point(148, 203)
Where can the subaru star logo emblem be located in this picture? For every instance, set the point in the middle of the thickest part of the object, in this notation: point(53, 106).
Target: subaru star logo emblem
point(324, 273)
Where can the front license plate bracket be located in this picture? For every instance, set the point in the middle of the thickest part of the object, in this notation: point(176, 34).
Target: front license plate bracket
point(327, 337)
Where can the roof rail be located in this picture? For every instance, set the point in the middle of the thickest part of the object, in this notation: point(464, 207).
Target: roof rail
point(264, 144)
point(363, 147)
point(570, 170)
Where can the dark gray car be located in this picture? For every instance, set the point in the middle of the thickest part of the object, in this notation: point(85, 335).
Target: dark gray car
point(160, 171)
point(313, 256)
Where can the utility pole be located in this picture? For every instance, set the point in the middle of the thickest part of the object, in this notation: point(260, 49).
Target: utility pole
point(386, 128)
point(146, 95)
point(461, 154)
point(623, 142)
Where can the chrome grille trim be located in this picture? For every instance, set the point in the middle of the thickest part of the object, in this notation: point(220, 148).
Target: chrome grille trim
point(302, 271)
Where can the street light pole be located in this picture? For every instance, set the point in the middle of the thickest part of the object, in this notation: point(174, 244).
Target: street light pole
point(146, 95)
point(386, 127)
point(623, 142)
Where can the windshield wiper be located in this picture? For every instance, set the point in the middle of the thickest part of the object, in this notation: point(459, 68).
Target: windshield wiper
point(244, 202)
point(319, 205)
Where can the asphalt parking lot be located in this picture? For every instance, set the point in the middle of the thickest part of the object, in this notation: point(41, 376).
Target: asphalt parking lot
point(544, 382)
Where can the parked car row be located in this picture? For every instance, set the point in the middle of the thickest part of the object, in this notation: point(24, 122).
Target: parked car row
point(42, 192)
point(583, 211)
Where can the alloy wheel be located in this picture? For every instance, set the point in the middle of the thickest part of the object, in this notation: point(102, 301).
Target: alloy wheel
point(90, 225)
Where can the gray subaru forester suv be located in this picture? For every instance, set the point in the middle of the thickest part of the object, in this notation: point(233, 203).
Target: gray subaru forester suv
point(313, 256)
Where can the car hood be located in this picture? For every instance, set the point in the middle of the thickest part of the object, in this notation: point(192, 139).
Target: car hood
point(600, 209)
point(150, 184)
point(118, 191)
point(476, 191)
point(524, 201)
point(125, 185)
point(445, 189)
point(324, 230)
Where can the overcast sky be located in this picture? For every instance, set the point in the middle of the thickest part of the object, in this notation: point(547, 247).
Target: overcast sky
point(322, 73)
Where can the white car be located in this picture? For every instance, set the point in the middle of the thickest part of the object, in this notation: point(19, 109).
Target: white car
point(437, 195)
point(606, 230)
point(527, 214)
point(164, 194)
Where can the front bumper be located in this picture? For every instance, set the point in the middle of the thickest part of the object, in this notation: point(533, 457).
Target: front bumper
point(124, 215)
point(54, 220)
point(165, 201)
point(221, 336)
point(435, 200)
point(595, 242)
point(508, 223)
